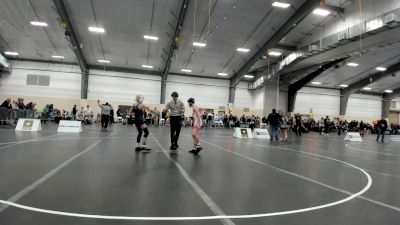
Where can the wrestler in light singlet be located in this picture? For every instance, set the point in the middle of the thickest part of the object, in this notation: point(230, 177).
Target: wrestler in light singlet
point(197, 122)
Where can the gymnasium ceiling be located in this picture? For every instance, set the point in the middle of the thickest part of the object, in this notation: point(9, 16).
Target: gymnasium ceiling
point(224, 25)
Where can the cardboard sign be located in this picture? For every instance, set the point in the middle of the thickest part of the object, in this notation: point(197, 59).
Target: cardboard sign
point(261, 133)
point(243, 133)
point(353, 136)
point(68, 126)
point(29, 125)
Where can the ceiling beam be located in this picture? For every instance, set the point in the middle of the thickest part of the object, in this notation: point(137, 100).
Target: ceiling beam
point(298, 16)
point(394, 94)
point(296, 86)
point(69, 32)
point(125, 70)
point(178, 28)
point(334, 8)
point(369, 80)
point(42, 61)
point(285, 47)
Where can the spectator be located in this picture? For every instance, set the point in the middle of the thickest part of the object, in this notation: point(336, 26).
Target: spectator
point(74, 111)
point(284, 127)
point(382, 127)
point(21, 104)
point(210, 120)
point(298, 125)
point(327, 123)
point(321, 125)
point(81, 114)
point(88, 111)
point(51, 108)
point(7, 104)
point(274, 120)
point(111, 114)
point(30, 106)
point(45, 113)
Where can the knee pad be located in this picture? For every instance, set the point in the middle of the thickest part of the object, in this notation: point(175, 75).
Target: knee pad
point(146, 132)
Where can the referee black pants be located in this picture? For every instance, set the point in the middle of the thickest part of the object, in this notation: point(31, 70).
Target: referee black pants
point(175, 124)
point(104, 120)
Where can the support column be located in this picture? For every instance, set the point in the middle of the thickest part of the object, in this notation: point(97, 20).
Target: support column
point(291, 100)
point(344, 99)
point(84, 84)
point(163, 90)
point(386, 103)
point(271, 95)
point(232, 92)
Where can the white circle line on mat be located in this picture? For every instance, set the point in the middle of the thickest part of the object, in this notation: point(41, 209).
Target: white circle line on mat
point(183, 218)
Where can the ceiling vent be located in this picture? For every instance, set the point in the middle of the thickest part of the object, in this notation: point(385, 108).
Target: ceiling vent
point(390, 18)
point(342, 36)
point(313, 48)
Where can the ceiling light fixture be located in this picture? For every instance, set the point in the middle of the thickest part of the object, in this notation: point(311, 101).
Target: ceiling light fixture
point(186, 70)
point(280, 5)
point(344, 85)
point(103, 61)
point(352, 64)
point(248, 76)
point(147, 66)
point(321, 12)
point(11, 53)
point(389, 91)
point(367, 88)
point(274, 53)
point(242, 49)
point(149, 37)
point(199, 44)
point(97, 29)
point(38, 23)
point(316, 83)
point(381, 68)
point(222, 74)
point(57, 56)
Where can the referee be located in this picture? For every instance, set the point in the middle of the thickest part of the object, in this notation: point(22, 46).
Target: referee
point(177, 109)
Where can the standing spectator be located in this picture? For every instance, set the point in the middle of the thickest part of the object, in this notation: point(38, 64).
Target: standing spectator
point(156, 117)
point(74, 111)
point(274, 119)
point(105, 114)
point(327, 123)
point(45, 113)
point(111, 115)
point(382, 127)
point(210, 120)
point(298, 125)
point(7, 104)
point(284, 127)
point(321, 126)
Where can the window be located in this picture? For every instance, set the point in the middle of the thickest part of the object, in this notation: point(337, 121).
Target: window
point(393, 105)
point(37, 80)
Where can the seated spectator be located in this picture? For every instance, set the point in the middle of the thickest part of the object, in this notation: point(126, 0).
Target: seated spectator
point(7, 104)
point(21, 104)
point(30, 106)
